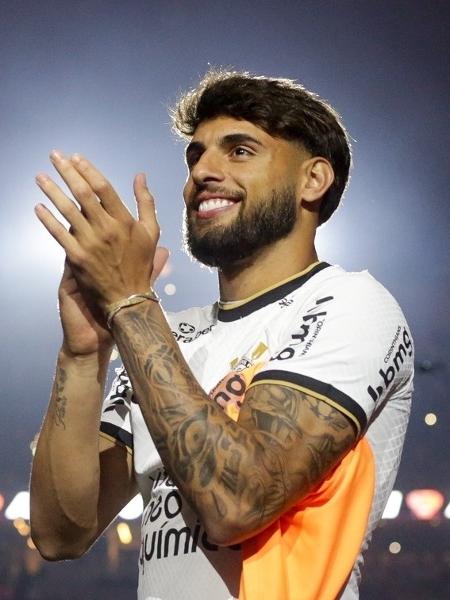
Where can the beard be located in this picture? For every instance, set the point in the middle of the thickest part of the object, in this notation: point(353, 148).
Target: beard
point(223, 246)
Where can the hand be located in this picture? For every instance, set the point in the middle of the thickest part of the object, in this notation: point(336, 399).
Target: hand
point(84, 325)
point(110, 253)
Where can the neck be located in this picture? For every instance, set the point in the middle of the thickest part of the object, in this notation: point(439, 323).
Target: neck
point(271, 265)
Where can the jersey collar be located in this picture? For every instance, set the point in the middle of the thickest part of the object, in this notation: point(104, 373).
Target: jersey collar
point(231, 311)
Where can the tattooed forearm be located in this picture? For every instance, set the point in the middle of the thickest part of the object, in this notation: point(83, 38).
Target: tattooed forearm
point(247, 472)
point(60, 399)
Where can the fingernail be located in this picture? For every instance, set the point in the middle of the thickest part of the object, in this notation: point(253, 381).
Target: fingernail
point(76, 158)
point(42, 178)
point(56, 155)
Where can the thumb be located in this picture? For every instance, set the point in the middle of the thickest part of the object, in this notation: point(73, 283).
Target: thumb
point(159, 262)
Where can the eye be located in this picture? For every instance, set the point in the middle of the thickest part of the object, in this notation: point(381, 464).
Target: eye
point(241, 151)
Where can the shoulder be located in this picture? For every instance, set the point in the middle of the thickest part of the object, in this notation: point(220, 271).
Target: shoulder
point(335, 278)
point(353, 295)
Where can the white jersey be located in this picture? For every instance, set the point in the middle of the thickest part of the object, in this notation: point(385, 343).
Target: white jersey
point(337, 336)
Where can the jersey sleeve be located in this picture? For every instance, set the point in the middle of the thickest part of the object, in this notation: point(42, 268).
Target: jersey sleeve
point(115, 421)
point(349, 346)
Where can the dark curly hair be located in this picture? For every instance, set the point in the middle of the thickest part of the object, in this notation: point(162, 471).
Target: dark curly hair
point(283, 108)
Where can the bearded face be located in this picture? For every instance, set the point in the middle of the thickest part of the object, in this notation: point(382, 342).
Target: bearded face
point(255, 226)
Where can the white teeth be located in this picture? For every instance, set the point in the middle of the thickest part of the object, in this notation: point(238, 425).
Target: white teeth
point(214, 203)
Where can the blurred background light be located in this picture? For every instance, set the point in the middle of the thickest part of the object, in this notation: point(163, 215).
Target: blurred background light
point(430, 419)
point(133, 509)
point(424, 504)
point(30, 544)
point(22, 526)
point(170, 289)
point(19, 507)
point(395, 547)
point(447, 511)
point(393, 505)
point(124, 533)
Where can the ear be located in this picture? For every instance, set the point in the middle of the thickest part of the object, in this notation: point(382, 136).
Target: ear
point(317, 176)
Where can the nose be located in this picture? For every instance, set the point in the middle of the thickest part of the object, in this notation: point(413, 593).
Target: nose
point(208, 168)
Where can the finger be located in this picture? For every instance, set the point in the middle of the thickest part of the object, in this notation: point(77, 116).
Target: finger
point(108, 197)
point(159, 262)
point(57, 230)
point(145, 204)
point(80, 188)
point(65, 205)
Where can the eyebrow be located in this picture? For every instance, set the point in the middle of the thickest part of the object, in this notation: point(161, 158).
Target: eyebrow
point(230, 139)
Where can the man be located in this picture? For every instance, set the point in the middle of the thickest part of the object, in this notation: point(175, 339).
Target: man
point(264, 432)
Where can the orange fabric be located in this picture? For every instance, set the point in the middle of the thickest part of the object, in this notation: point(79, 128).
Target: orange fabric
point(308, 553)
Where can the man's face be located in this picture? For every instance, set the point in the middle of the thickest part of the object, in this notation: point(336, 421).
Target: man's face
point(240, 194)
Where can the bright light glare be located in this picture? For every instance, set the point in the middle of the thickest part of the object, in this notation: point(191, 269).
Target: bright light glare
point(19, 507)
point(133, 509)
point(124, 533)
point(424, 504)
point(393, 505)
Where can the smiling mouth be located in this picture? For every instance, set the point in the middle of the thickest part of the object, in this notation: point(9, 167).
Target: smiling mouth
point(214, 203)
point(212, 207)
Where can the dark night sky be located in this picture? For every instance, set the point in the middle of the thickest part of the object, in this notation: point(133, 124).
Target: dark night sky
point(97, 76)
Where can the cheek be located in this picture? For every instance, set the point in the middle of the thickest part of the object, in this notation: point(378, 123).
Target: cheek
point(187, 190)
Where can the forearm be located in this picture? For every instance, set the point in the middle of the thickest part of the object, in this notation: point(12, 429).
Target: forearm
point(65, 474)
point(229, 475)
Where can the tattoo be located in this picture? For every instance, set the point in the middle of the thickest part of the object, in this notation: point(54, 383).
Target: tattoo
point(60, 399)
point(284, 443)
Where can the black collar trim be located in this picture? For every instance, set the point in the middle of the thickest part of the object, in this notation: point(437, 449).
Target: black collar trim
point(268, 297)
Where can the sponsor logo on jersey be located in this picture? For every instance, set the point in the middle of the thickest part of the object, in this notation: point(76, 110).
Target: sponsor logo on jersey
point(186, 328)
point(310, 326)
point(164, 531)
point(403, 347)
point(186, 332)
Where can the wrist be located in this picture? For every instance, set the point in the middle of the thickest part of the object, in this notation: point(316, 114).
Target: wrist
point(147, 310)
point(89, 362)
point(111, 310)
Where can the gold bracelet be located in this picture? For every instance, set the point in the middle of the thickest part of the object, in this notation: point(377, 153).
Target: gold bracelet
point(112, 309)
